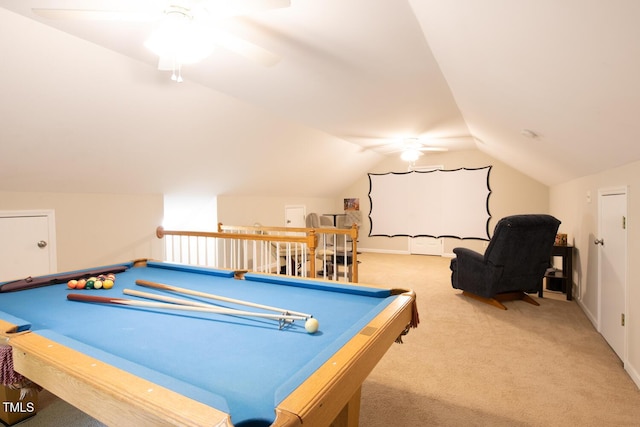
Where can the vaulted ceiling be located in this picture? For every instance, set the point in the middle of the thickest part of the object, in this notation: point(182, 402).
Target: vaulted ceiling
point(549, 87)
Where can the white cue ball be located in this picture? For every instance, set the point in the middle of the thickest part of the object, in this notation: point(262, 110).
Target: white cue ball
point(311, 325)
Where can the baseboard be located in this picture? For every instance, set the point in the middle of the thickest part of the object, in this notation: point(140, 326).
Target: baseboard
point(590, 316)
point(398, 252)
point(633, 373)
point(383, 251)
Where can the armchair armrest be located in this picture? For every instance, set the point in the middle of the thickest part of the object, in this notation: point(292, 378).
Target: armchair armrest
point(468, 254)
point(470, 272)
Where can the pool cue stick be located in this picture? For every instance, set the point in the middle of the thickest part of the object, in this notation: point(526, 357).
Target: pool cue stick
point(147, 304)
point(172, 300)
point(217, 297)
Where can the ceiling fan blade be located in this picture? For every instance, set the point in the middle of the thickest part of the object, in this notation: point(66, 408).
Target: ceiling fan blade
point(399, 146)
point(226, 8)
point(245, 48)
point(97, 15)
point(432, 149)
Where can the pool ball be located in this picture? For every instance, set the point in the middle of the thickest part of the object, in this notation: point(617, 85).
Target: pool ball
point(312, 325)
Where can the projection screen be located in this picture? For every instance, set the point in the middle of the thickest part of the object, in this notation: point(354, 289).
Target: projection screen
point(437, 203)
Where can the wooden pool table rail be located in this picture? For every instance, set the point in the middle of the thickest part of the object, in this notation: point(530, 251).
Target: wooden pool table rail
point(111, 395)
point(333, 391)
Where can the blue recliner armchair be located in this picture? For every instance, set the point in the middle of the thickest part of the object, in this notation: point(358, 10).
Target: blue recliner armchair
point(513, 264)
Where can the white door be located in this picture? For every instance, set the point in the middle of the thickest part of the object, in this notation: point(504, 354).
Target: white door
point(294, 216)
point(425, 246)
point(27, 245)
point(612, 261)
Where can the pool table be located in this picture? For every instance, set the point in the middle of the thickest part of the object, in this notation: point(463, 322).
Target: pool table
point(127, 365)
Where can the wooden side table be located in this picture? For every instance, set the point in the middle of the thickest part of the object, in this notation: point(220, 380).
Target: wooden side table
point(566, 274)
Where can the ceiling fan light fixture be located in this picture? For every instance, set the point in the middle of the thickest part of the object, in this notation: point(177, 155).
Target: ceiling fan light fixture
point(180, 39)
point(410, 155)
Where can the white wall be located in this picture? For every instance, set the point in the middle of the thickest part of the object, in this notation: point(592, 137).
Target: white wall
point(268, 211)
point(97, 229)
point(193, 212)
point(580, 221)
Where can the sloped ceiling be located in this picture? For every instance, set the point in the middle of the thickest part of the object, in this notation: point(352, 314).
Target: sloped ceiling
point(566, 70)
point(85, 109)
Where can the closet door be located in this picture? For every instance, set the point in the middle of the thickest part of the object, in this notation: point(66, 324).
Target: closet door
point(27, 245)
point(612, 251)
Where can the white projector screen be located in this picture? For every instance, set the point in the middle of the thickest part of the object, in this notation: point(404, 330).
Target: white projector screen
point(438, 203)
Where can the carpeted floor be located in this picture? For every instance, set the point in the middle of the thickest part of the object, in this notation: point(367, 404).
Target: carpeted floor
point(472, 364)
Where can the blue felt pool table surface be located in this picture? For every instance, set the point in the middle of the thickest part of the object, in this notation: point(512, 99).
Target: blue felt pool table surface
point(243, 366)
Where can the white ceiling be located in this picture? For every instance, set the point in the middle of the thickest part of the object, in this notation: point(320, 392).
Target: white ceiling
point(84, 107)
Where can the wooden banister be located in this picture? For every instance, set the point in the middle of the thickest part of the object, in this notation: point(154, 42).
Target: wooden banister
point(308, 237)
point(305, 239)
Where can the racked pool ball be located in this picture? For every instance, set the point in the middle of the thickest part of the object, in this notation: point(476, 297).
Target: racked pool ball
point(81, 284)
point(107, 284)
point(72, 284)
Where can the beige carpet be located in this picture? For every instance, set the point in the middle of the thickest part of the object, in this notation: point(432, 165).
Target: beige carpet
point(471, 364)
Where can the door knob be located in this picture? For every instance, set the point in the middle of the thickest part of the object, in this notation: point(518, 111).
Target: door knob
point(599, 242)
point(42, 244)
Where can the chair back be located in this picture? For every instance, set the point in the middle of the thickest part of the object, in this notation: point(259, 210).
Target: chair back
point(313, 220)
point(521, 245)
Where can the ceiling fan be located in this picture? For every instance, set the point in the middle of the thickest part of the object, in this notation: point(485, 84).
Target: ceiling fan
point(187, 30)
point(411, 148)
